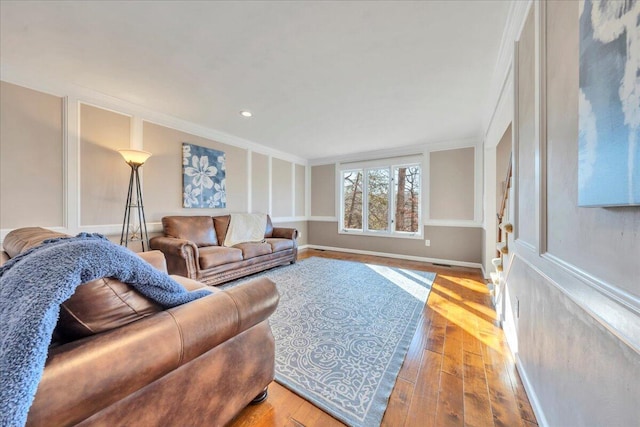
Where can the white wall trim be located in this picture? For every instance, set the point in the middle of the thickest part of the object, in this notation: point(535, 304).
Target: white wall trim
point(531, 394)
point(270, 181)
point(398, 256)
point(615, 309)
point(620, 296)
point(453, 223)
point(430, 223)
point(484, 272)
point(513, 27)
point(540, 124)
point(136, 139)
point(293, 189)
point(67, 197)
point(396, 152)
point(307, 191)
point(478, 182)
point(323, 218)
point(454, 145)
point(135, 131)
point(515, 138)
point(249, 181)
point(78, 176)
point(281, 219)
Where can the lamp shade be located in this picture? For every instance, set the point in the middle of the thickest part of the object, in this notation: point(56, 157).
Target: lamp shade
point(136, 157)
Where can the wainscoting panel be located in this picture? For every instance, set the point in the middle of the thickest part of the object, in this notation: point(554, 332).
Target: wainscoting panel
point(579, 372)
point(104, 175)
point(32, 147)
point(462, 244)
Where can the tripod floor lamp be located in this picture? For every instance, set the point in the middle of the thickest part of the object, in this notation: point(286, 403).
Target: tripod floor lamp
point(134, 229)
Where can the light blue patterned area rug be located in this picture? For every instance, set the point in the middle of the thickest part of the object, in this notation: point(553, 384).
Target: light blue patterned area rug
point(342, 330)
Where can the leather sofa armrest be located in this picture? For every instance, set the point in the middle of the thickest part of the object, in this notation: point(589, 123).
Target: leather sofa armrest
point(87, 375)
point(181, 255)
point(256, 301)
point(155, 258)
point(229, 313)
point(285, 233)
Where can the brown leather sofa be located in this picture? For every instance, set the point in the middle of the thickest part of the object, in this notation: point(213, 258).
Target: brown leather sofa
point(193, 248)
point(117, 358)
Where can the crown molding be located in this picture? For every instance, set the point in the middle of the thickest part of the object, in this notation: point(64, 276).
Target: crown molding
point(30, 80)
point(513, 27)
point(398, 152)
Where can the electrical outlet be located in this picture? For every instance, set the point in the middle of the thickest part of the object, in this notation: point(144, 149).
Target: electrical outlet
point(427, 242)
point(299, 235)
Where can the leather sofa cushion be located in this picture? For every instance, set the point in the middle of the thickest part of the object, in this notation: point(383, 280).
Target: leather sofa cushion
point(106, 304)
point(278, 245)
point(253, 249)
point(197, 229)
point(102, 305)
point(23, 239)
point(213, 256)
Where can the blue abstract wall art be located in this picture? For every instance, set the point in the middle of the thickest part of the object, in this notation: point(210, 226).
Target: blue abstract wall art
point(203, 177)
point(609, 103)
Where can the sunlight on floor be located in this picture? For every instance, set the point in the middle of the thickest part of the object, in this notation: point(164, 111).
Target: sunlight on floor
point(408, 280)
point(474, 317)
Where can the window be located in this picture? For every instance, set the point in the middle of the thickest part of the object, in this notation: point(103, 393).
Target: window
point(381, 200)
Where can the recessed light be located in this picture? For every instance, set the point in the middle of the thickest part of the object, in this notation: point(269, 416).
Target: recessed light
point(245, 113)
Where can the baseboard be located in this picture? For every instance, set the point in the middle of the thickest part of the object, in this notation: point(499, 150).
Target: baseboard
point(399, 256)
point(484, 273)
point(531, 394)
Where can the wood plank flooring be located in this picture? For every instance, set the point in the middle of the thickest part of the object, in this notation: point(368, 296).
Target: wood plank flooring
point(458, 370)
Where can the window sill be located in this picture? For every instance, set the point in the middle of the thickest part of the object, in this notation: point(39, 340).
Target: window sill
point(414, 236)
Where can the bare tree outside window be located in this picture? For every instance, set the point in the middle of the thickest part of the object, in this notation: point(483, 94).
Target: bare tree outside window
point(407, 190)
point(378, 197)
point(352, 193)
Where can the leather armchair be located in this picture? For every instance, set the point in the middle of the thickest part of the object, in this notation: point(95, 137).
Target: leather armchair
point(119, 359)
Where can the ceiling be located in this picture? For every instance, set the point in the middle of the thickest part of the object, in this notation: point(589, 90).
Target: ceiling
point(322, 78)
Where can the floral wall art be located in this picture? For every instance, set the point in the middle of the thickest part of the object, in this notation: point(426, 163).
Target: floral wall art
point(609, 103)
point(203, 177)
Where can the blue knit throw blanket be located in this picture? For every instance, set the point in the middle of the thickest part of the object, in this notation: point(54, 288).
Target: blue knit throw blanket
point(36, 282)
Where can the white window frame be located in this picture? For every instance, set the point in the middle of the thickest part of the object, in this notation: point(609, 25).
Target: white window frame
point(391, 165)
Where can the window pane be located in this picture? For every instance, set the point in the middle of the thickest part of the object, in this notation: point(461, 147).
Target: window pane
point(378, 196)
point(407, 190)
point(352, 191)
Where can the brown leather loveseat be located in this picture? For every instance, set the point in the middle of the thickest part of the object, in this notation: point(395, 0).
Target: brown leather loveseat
point(193, 246)
point(117, 358)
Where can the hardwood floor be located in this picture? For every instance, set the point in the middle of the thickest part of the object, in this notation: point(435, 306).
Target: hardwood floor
point(458, 370)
